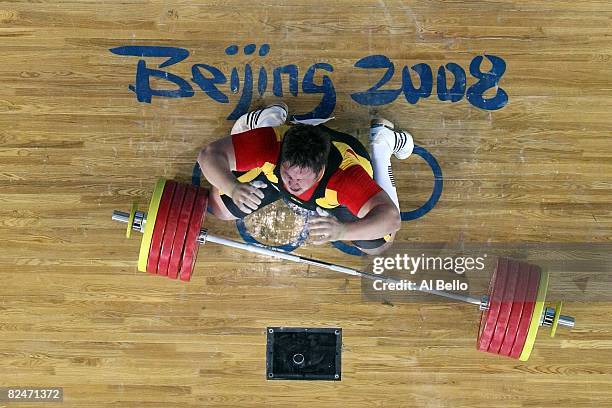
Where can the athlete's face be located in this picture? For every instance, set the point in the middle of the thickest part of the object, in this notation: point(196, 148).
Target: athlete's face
point(297, 180)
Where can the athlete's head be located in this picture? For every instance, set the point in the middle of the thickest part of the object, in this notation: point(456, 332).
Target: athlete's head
point(303, 157)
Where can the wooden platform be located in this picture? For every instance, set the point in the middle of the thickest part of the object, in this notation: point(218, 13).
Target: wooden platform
point(75, 143)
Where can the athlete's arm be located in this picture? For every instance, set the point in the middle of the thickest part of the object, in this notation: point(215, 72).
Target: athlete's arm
point(217, 161)
point(377, 217)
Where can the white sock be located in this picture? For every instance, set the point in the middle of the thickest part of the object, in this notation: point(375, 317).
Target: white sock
point(383, 174)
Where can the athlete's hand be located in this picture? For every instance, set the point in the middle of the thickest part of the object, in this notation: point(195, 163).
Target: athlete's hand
point(325, 229)
point(247, 196)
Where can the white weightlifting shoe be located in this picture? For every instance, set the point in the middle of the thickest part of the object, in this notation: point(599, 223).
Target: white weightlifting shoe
point(272, 115)
point(399, 141)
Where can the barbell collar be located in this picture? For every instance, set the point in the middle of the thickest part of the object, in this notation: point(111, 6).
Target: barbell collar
point(548, 317)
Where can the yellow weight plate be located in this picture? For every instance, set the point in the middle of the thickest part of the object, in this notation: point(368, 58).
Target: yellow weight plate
point(145, 244)
point(535, 318)
point(128, 231)
point(555, 323)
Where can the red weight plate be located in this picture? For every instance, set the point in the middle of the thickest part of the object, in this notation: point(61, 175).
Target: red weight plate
point(530, 299)
point(517, 307)
point(169, 233)
point(160, 226)
point(506, 306)
point(181, 232)
point(495, 297)
point(484, 314)
point(191, 244)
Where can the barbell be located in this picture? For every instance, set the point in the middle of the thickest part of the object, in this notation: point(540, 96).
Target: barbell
point(512, 311)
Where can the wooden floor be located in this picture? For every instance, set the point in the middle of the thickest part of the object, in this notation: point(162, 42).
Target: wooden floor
point(75, 143)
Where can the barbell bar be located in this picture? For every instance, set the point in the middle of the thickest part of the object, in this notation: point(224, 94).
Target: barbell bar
point(204, 236)
point(513, 310)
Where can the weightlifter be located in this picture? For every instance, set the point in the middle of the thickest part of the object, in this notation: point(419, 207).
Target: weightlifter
point(313, 166)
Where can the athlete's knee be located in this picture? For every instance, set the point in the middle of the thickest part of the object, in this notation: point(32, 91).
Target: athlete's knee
point(379, 249)
point(217, 208)
point(221, 215)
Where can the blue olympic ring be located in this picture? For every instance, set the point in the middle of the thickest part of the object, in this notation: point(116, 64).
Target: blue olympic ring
point(196, 174)
point(346, 248)
point(437, 190)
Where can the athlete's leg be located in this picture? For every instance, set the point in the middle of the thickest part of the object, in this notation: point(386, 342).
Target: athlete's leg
point(370, 247)
point(379, 249)
point(385, 141)
point(216, 206)
point(271, 116)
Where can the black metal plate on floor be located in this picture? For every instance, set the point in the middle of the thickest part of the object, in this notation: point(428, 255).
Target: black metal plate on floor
point(294, 353)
